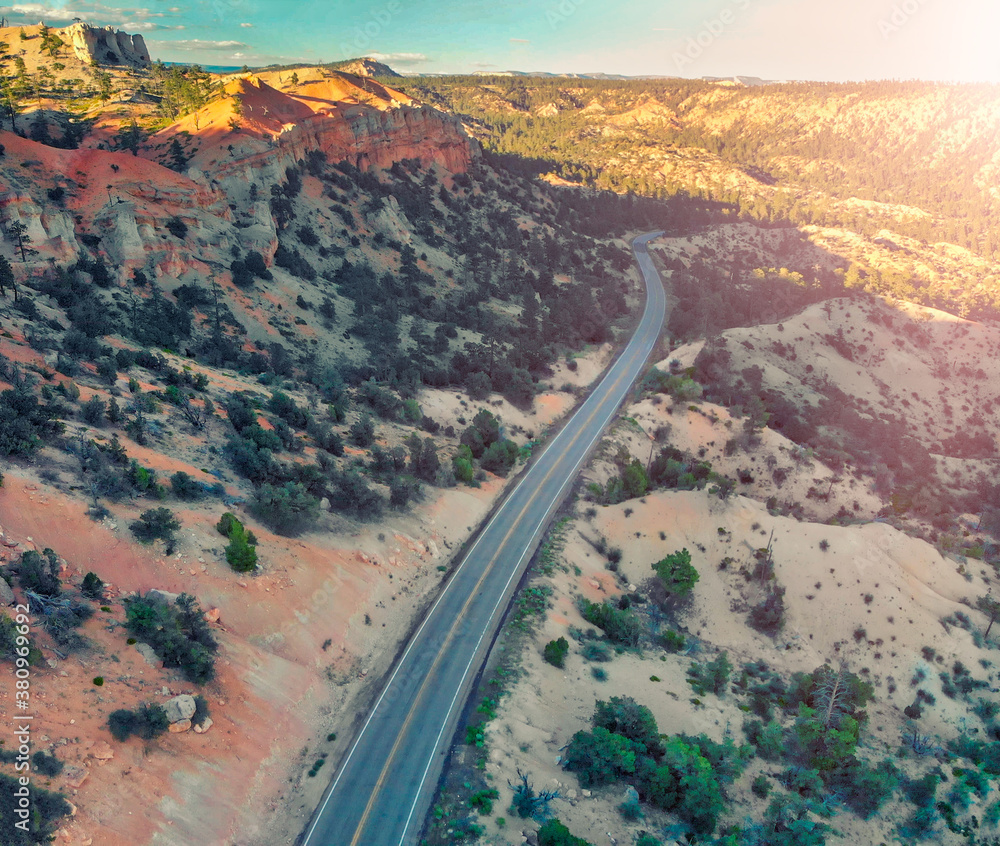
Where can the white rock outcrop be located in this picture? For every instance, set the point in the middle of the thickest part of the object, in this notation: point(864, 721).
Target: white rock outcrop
point(107, 46)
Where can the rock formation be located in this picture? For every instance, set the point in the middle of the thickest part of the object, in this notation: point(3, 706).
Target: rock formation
point(107, 46)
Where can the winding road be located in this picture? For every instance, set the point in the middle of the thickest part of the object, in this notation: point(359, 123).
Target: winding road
point(384, 787)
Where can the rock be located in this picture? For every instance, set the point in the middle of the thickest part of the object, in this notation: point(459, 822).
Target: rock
point(162, 595)
point(147, 652)
point(102, 751)
point(204, 725)
point(212, 615)
point(181, 726)
point(586, 794)
point(75, 776)
point(180, 708)
point(108, 46)
point(6, 594)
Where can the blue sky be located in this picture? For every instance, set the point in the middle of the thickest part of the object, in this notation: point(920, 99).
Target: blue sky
point(776, 39)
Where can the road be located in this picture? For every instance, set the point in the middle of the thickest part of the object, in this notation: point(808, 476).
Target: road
point(384, 787)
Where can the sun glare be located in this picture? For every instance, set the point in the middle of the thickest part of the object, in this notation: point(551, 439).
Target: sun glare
point(974, 55)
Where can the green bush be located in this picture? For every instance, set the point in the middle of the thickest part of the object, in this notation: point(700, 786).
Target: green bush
point(711, 677)
point(500, 457)
point(673, 641)
point(242, 557)
point(620, 626)
point(46, 764)
point(626, 717)
point(761, 787)
point(288, 509)
point(601, 757)
point(156, 523)
point(177, 632)
point(11, 640)
point(226, 523)
point(47, 809)
point(39, 574)
point(482, 800)
point(677, 573)
point(594, 650)
point(92, 586)
point(184, 487)
point(147, 722)
point(555, 652)
point(554, 833)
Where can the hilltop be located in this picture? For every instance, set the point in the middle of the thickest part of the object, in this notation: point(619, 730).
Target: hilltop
point(299, 298)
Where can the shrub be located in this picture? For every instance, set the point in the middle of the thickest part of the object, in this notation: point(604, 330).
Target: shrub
point(186, 488)
point(92, 586)
point(362, 431)
point(156, 523)
point(677, 573)
point(240, 553)
point(147, 722)
point(226, 523)
point(46, 764)
point(288, 509)
point(555, 652)
point(201, 710)
point(768, 616)
point(595, 651)
point(482, 800)
point(601, 757)
point(621, 626)
point(673, 641)
point(711, 677)
point(177, 227)
point(500, 457)
point(93, 411)
point(554, 833)
point(47, 809)
point(39, 574)
point(177, 632)
point(761, 787)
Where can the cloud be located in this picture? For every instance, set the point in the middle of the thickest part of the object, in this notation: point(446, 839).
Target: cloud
point(132, 18)
point(147, 26)
point(401, 58)
point(519, 41)
point(200, 44)
point(247, 25)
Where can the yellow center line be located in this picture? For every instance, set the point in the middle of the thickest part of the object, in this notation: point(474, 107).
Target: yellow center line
point(442, 652)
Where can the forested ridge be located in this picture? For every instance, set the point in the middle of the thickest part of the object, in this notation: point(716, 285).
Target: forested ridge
point(917, 159)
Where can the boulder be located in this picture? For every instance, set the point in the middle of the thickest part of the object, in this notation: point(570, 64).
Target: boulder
point(179, 709)
point(162, 595)
point(102, 751)
point(181, 726)
point(147, 652)
point(75, 776)
point(204, 725)
point(6, 594)
point(212, 615)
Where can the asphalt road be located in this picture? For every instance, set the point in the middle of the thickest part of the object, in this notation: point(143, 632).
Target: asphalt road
point(384, 787)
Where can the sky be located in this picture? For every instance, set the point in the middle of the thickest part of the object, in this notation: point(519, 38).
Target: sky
point(832, 40)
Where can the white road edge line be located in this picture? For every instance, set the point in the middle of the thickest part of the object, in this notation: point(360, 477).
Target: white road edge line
point(569, 479)
point(343, 767)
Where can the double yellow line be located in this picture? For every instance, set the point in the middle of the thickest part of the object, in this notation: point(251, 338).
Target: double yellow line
point(380, 783)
